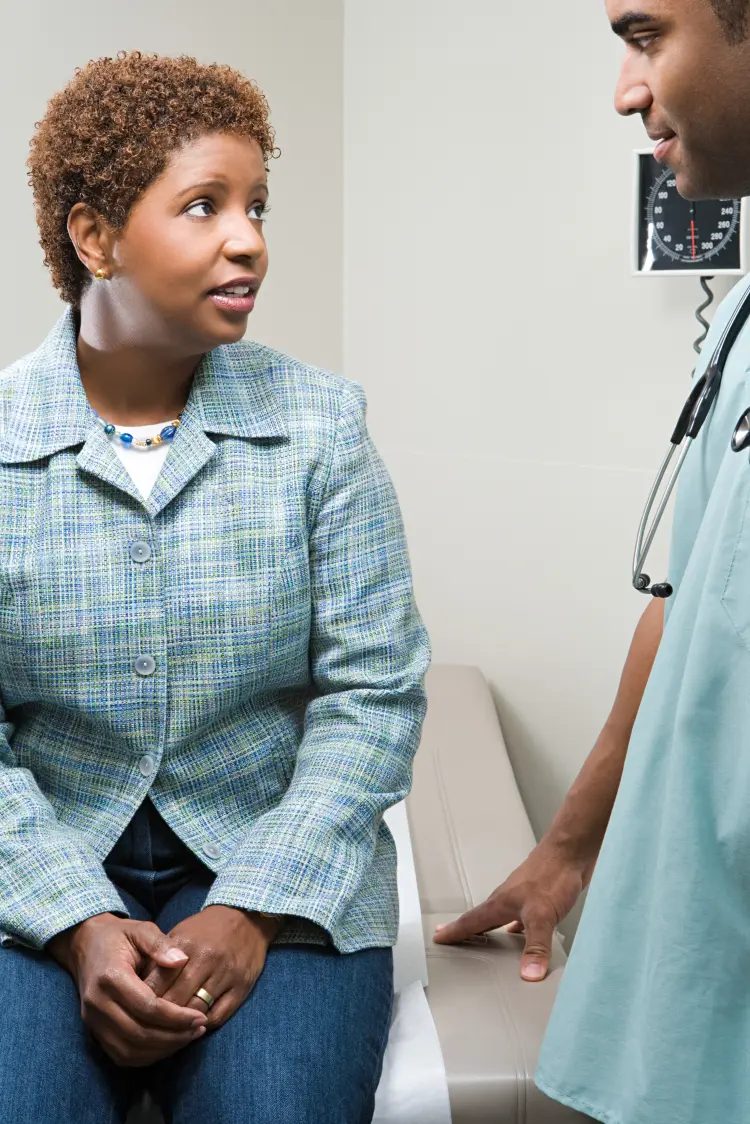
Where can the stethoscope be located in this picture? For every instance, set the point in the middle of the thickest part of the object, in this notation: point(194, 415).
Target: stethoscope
point(691, 422)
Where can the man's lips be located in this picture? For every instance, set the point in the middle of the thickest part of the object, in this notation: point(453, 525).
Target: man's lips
point(662, 140)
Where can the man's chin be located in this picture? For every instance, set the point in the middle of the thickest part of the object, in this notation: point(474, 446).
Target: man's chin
point(689, 189)
point(710, 182)
point(686, 184)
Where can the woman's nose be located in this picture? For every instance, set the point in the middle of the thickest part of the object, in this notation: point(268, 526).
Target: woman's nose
point(632, 94)
point(244, 239)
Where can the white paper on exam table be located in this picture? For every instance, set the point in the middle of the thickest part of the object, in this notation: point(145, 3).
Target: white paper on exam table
point(409, 956)
point(414, 1086)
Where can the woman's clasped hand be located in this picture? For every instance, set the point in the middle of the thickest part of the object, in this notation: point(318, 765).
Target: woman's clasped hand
point(137, 985)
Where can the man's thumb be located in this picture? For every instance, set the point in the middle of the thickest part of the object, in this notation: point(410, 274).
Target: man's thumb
point(537, 953)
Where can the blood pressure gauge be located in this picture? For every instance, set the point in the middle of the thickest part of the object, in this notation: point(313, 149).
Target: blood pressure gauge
point(678, 237)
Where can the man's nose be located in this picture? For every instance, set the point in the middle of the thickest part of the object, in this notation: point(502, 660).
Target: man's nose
point(632, 94)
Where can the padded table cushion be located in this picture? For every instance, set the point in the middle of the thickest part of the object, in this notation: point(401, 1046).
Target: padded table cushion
point(469, 831)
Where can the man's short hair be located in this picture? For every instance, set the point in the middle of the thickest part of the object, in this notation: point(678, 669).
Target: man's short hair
point(734, 15)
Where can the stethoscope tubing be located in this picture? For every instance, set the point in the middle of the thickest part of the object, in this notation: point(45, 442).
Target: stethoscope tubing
point(642, 548)
point(694, 414)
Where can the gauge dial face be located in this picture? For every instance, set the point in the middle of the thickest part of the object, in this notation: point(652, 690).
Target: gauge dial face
point(681, 236)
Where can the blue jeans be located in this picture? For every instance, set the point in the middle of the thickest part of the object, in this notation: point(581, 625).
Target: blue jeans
point(305, 1048)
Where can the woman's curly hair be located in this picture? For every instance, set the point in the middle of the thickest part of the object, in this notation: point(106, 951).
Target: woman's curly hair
point(110, 133)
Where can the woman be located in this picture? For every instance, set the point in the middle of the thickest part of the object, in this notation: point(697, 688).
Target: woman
point(210, 659)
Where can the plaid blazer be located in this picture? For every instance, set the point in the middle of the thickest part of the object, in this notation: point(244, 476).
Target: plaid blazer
point(243, 647)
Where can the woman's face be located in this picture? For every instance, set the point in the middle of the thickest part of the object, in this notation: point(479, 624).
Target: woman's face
point(194, 234)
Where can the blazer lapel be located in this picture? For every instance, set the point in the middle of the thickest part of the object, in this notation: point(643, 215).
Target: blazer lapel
point(190, 452)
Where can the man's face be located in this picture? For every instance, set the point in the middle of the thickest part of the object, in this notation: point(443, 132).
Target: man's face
point(692, 88)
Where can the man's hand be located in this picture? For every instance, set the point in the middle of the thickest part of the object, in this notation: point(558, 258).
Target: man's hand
point(133, 1026)
point(534, 900)
point(227, 953)
point(544, 889)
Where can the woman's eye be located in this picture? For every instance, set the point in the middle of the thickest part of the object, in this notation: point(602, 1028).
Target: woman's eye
point(195, 209)
point(203, 208)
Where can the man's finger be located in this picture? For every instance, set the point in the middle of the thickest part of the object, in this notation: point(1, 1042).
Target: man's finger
point(538, 950)
point(514, 927)
point(489, 915)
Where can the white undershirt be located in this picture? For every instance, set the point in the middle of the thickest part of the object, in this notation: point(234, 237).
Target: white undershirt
point(143, 465)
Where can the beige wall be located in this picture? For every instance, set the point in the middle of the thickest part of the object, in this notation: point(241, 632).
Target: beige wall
point(522, 384)
point(292, 49)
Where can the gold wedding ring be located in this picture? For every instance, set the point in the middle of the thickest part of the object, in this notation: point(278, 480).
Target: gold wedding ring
point(208, 999)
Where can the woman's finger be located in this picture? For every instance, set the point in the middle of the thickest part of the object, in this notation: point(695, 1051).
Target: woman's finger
point(116, 1023)
point(198, 1004)
point(224, 1008)
point(215, 979)
point(139, 1001)
point(148, 940)
point(130, 1044)
point(128, 1055)
point(228, 996)
point(161, 979)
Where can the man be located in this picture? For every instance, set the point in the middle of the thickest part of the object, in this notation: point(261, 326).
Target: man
point(652, 1023)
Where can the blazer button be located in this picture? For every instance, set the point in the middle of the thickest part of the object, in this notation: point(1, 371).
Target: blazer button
point(140, 551)
point(145, 665)
point(212, 851)
point(147, 765)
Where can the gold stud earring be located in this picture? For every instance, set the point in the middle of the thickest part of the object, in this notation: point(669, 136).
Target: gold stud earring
point(101, 275)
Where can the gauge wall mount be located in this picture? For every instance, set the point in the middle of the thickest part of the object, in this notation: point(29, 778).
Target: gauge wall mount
point(678, 237)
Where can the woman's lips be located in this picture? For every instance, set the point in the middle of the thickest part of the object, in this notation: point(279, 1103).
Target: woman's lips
point(234, 303)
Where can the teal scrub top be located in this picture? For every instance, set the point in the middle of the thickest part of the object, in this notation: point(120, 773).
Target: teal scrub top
point(652, 1021)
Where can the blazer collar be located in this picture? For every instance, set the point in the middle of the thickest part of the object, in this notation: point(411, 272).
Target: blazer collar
point(47, 409)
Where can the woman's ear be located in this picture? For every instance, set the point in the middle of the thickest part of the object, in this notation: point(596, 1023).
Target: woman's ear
point(91, 237)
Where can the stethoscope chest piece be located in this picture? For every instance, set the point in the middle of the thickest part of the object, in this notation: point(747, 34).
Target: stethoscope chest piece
point(741, 435)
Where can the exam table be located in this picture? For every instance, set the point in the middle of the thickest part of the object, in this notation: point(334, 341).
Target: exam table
point(469, 830)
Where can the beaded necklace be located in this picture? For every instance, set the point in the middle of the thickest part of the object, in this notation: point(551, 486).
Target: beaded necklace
point(166, 433)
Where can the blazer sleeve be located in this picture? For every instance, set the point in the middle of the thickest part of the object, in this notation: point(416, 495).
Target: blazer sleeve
point(50, 878)
point(308, 856)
